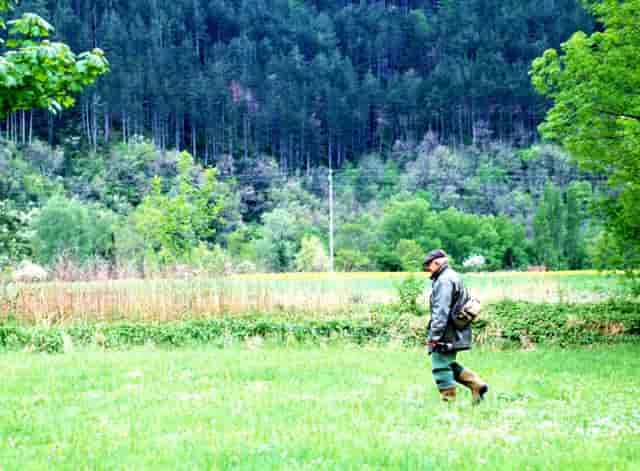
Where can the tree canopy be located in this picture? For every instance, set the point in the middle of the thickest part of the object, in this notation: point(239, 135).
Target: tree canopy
point(307, 81)
point(594, 85)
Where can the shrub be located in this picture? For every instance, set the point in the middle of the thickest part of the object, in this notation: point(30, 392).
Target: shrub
point(69, 227)
point(408, 291)
point(312, 255)
point(351, 260)
point(14, 237)
point(211, 260)
point(246, 266)
point(172, 225)
point(411, 255)
point(504, 323)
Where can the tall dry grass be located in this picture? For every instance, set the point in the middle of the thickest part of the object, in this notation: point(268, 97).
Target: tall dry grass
point(318, 294)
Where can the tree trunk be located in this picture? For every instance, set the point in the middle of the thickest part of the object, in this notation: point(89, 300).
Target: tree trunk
point(30, 126)
point(223, 126)
point(206, 147)
point(124, 126)
point(193, 142)
point(107, 126)
point(50, 128)
point(178, 121)
point(94, 123)
point(23, 127)
point(245, 132)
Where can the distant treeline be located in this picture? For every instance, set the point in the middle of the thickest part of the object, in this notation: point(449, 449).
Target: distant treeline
point(305, 81)
point(141, 209)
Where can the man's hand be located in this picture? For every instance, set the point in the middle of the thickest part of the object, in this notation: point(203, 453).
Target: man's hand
point(431, 344)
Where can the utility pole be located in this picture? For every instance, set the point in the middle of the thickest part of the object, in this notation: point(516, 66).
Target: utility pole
point(330, 220)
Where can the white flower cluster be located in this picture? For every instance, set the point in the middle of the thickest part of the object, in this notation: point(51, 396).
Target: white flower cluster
point(475, 261)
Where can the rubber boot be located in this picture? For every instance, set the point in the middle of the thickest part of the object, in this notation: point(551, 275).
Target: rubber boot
point(448, 394)
point(472, 381)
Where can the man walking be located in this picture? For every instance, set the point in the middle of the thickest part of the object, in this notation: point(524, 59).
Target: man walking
point(444, 340)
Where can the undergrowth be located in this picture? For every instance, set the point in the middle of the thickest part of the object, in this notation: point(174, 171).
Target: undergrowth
point(506, 323)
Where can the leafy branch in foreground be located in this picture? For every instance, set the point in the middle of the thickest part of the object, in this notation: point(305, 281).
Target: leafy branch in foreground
point(38, 73)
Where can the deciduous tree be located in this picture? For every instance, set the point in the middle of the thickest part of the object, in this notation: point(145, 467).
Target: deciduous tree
point(593, 82)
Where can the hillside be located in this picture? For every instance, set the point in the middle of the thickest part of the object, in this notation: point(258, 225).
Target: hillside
point(306, 82)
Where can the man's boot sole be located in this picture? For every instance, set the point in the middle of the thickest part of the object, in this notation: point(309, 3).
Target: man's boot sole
point(481, 392)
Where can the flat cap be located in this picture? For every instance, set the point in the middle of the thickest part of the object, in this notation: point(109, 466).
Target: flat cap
point(434, 254)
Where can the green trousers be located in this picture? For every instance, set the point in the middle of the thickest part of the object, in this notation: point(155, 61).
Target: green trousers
point(445, 369)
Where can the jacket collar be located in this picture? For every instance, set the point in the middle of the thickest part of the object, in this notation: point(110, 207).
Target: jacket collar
point(442, 268)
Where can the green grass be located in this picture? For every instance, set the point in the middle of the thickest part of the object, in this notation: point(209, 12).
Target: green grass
point(339, 407)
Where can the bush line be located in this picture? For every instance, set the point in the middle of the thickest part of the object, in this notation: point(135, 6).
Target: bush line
point(507, 323)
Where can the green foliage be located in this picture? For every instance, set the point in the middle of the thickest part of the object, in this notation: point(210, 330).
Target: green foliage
point(578, 198)
point(596, 111)
point(506, 321)
point(409, 219)
point(351, 260)
point(280, 238)
point(373, 178)
point(191, 332)
point(14, 234)
point(28, 175)
point(38, 73)
point(357, 77)
point(411, 255)
point(124, 176)
point(239, 243)
point(70, 228)
point(355, 243)
point(549, 228)
point(297, 214)
point(565, 324)
point(408, 291)
point(384, 234)
point(559, 226)
point(172, 224)
point(312, 256)
point(213, 260)
point(498, 239)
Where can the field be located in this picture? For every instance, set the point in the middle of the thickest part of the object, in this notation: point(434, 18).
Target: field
point(257, 406)
point(313, 292)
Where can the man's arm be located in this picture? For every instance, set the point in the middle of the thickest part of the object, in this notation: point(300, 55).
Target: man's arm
point(440, 307)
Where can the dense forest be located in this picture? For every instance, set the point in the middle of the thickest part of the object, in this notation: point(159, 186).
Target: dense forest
point(223, 129)
point(311, 83)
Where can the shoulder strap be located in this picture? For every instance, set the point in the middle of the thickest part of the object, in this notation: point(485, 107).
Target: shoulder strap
point(457, 301)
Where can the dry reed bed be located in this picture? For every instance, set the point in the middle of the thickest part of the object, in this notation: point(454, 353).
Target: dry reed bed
point(164, 300)
point(320, 293)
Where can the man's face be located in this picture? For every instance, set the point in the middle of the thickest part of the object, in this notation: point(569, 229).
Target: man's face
point(431, 267)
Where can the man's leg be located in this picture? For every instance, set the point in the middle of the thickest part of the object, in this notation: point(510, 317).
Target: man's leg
point(443, 374)
point(471, 380)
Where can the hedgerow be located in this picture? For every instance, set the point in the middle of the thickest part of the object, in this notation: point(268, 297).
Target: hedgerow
point(507, 322)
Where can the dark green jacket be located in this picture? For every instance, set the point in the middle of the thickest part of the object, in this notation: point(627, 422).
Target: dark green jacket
point(447, 295)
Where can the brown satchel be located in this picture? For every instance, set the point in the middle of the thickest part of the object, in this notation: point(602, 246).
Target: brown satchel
point(469, 312)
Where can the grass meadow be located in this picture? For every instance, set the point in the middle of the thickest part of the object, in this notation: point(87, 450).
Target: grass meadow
point(258, 406)
point(317, 293)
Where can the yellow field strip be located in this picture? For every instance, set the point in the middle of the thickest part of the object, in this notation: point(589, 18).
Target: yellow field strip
point(364, 275)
